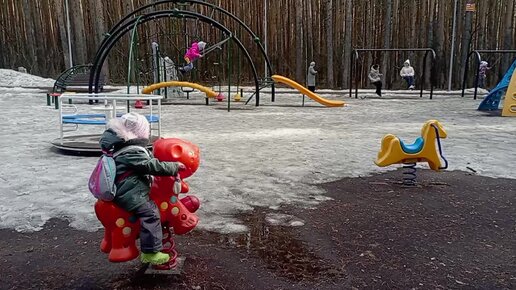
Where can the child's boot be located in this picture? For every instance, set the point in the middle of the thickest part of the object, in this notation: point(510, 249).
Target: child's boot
point(154, 258)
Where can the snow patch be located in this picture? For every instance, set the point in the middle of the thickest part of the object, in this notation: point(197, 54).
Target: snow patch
point(12, 78)
point(279, 219)
point(258, 157)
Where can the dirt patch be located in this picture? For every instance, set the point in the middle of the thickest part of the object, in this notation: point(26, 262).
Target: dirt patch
point(453, 230)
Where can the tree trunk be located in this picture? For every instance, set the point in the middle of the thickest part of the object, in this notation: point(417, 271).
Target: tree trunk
point(509, 26)
point(329, 43)
point(414, 24)
point(347, 43)
point(6, 28)
point(300, 64)
point(32, 56)
point(97, 8)
point(387, 40)
point(466, 39)
point(432, 27)
point(79, 37)
point(439, 46)
point(42, 47)
point(63, 32)
point(309, 31)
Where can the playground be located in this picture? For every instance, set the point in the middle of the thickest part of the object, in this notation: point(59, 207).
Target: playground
point(222, 166)
point(274, 189)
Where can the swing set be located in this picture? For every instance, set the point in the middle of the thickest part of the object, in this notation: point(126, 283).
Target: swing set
point(355, 66)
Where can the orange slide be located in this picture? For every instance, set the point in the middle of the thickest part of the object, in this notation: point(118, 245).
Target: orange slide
point(307, 92)
point(209, 93)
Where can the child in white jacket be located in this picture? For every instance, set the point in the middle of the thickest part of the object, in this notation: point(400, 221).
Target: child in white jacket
point(407, 73)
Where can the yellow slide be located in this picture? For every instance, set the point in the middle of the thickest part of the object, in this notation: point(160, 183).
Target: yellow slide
point(305, 91)
point(209, 93)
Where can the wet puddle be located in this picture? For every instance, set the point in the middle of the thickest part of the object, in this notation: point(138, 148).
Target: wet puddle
point(276, 245)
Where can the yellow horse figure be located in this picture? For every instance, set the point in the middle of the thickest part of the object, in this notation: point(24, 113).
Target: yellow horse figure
point(394, 151)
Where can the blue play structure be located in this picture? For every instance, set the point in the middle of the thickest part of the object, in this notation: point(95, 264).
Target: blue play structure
point(492, 101)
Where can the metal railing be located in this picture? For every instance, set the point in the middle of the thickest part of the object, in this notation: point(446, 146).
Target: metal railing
point(110, 105)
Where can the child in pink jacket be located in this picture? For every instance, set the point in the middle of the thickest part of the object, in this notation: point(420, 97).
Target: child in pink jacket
point(192, 54)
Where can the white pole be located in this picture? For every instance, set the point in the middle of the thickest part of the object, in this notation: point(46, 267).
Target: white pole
point(265, 34)
point(69, 33)
point(452, 46)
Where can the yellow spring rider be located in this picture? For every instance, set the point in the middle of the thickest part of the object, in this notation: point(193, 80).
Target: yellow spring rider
point(424, 149)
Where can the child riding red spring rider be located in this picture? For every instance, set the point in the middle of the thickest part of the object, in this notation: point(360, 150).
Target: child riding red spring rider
point(177, 215)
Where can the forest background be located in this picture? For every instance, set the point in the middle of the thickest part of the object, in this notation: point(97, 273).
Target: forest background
point(33, 34)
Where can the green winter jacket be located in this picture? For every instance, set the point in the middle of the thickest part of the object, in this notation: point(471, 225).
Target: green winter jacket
point(133, 190)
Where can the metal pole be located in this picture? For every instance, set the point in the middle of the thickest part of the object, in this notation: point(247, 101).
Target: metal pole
point(452, 45)
point(265, 34)
point(69, 33)
point(229, 75)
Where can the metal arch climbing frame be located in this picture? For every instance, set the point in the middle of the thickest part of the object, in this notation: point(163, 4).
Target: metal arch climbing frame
point(477, 74)
point(202, 3)
point(355, 57)
point(256, 39)
point(113, 38)
point(132, 46)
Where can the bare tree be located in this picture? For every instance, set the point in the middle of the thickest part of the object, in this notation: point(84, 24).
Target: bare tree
point(329, 43)
point(509, 27)
point(32, 56)
point(97, 8)
point(79, 37)
point(63, 35)
point(347, 42)
point(466, 37)
point(387, 37)
point(300, 67)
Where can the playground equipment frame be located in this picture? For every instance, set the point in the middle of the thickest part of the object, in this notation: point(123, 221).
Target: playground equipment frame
point(109, 110)
point(355, 56)
point(256, 39)
point(113, 39)
point(479, 59)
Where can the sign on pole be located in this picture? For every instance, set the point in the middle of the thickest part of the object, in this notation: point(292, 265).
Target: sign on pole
point(471, 7)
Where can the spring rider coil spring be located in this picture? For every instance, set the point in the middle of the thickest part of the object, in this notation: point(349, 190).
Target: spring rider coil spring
point(169, 247)
point(409, 174)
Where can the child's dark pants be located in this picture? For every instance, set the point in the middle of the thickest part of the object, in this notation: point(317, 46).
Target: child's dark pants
point(482, 81)
point(151, 234)
point(378, 85)
point(311, 89)
point(409, 80)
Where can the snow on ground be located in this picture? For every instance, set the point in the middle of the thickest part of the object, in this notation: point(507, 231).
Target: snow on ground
point(12, 78)
point(265, 156)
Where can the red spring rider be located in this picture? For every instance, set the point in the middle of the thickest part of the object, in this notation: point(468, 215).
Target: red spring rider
point(177, 215)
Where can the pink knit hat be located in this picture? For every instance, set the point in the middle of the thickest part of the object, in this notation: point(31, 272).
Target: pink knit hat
point(131, 126)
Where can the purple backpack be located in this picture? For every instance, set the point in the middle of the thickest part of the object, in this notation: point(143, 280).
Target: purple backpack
point(102, 179)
